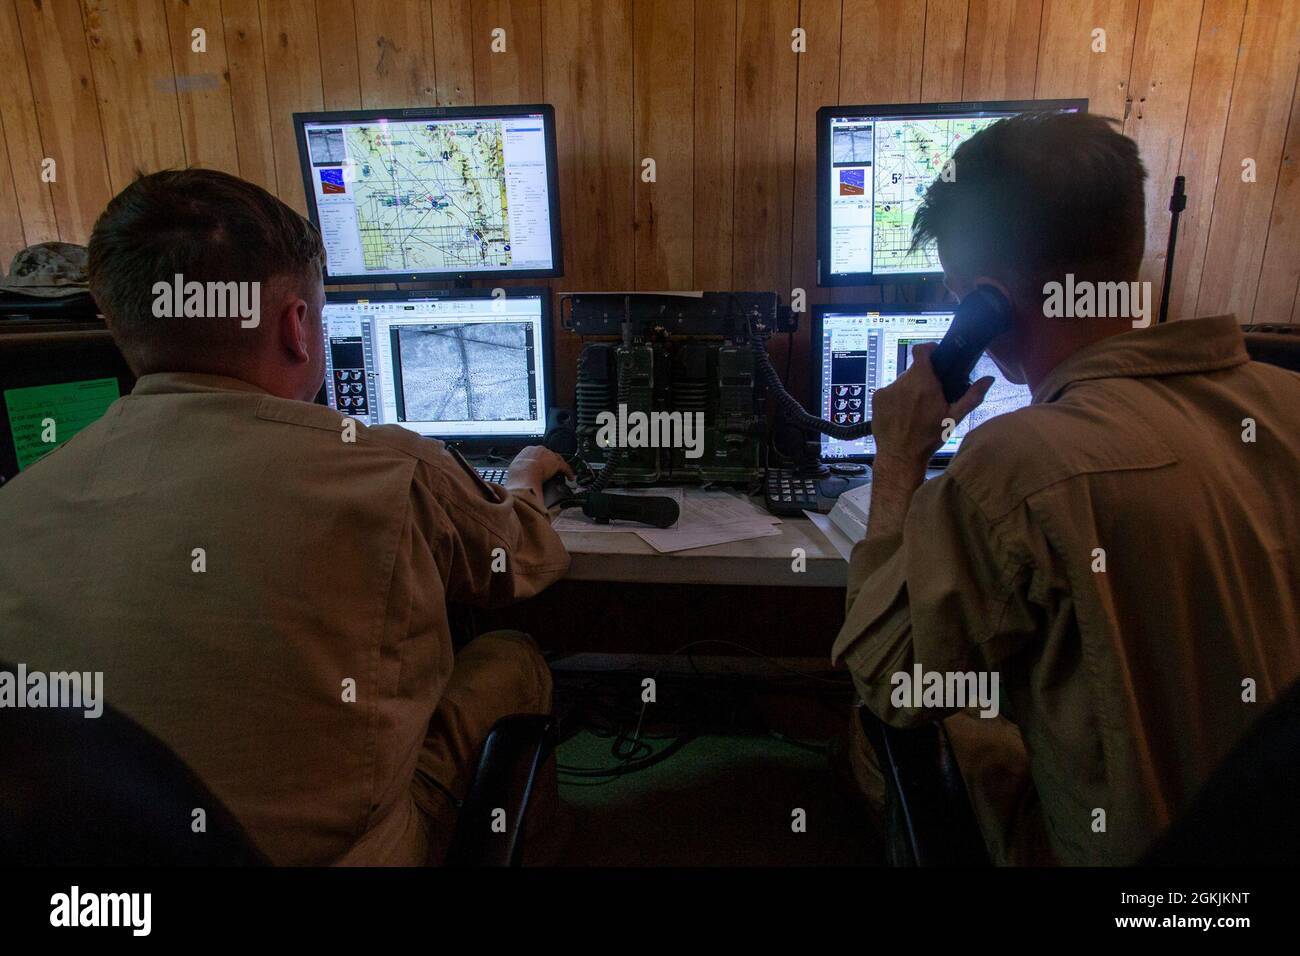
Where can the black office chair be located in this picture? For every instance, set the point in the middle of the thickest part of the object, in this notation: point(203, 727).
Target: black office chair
point(929, 820)
point(77, 791)
point(1245, 815)
point(1275, 344)
point(508, 765)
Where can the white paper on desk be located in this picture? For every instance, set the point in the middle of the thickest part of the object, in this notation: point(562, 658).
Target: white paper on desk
point(572, 519)
point(666, 542)
point(832, 534)
point(717, 509)
point(712, 517)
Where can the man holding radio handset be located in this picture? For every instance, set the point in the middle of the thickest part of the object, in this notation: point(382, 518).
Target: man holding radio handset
point(1112, 559)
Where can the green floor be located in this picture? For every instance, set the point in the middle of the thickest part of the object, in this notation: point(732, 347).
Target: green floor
point(720, 800)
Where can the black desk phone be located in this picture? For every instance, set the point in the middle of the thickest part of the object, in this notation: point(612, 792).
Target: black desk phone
point(789, 492)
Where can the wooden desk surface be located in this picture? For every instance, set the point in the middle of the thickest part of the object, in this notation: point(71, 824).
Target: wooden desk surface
point(620, 556)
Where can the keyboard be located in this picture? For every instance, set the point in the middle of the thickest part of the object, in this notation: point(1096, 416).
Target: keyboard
point(496, 476)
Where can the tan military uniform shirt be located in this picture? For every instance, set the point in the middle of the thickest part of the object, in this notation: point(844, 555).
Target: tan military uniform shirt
point(235, 568)
point(1169, 454)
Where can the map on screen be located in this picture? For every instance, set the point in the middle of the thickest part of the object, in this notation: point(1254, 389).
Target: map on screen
point(910, 155)
point(877, 163)
point(444, 195)
point(430, 198)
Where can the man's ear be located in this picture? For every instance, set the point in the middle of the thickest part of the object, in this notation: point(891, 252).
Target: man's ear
point(293, 318)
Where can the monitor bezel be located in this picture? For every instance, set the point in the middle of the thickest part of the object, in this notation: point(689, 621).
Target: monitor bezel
point(825, 279)
point(484, 441)
point(547, 112)
point(819, 314)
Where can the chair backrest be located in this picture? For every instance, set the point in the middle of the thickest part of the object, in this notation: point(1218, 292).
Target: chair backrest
point(929, 820)
point(490, 827)
point(1248, 812)
point(1275, 344)
point(102, 791)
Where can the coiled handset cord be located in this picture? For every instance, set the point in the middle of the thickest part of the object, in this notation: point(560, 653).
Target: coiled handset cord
point(795, 412)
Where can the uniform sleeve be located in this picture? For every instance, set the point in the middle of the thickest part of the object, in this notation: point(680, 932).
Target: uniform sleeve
point(493, 547)
point(947, 593)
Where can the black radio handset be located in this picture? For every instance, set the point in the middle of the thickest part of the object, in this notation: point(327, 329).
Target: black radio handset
point(982, 316)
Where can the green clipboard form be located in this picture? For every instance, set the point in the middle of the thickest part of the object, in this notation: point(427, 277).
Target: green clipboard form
point(71, 405)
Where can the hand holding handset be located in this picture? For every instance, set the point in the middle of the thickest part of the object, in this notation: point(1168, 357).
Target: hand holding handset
point(982, 316)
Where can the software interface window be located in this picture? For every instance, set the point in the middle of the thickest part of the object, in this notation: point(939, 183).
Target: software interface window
point(455, 195)
point(861, 352)
point(880, 169)
point(444, 367)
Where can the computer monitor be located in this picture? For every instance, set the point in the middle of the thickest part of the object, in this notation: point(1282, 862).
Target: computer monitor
point(460, 365)
point(860, 348)
point(54, 381)
point(433, 193)
point(874, 164)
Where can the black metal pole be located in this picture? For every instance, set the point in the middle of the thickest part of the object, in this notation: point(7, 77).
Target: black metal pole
point(1177, 203)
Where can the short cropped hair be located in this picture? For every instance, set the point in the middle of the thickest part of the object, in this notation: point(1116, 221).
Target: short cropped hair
point(206, 226)
point(1038, 195)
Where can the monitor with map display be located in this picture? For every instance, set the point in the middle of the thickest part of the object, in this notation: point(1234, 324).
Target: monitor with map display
point(861, 348)
point(874, 164)
point(433, 193)
point(460, 364)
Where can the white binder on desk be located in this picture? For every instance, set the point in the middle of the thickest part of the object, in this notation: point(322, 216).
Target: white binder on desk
point(850, 512)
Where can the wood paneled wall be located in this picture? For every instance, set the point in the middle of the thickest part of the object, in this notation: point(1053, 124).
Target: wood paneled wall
point(711, 89)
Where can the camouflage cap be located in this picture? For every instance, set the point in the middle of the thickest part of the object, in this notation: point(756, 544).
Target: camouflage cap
point(49, 270)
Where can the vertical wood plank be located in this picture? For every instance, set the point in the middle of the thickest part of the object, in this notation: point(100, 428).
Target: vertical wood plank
point(943, 60)
point(515, 74)
point(715, 142)
point(1261, 101)
point(663, 87)
point(11, 220)
point(766, 92)
point(22, 133)
point(588, 44)
point(1202, 150)
point(131, 59)
point(882, 57)
point(248, 93)
point(202, 84)
point(1002, 49)
point(1160, 84)
point(453, 51)
point(395, 51)
point(819, 85)
point(1279, 279)
point(293, 83)
point(63, 87)
point(882, 51)
point(336, 36)
point(1067, 65)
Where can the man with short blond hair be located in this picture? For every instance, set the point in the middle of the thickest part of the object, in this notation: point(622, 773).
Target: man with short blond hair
point(262, 582)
